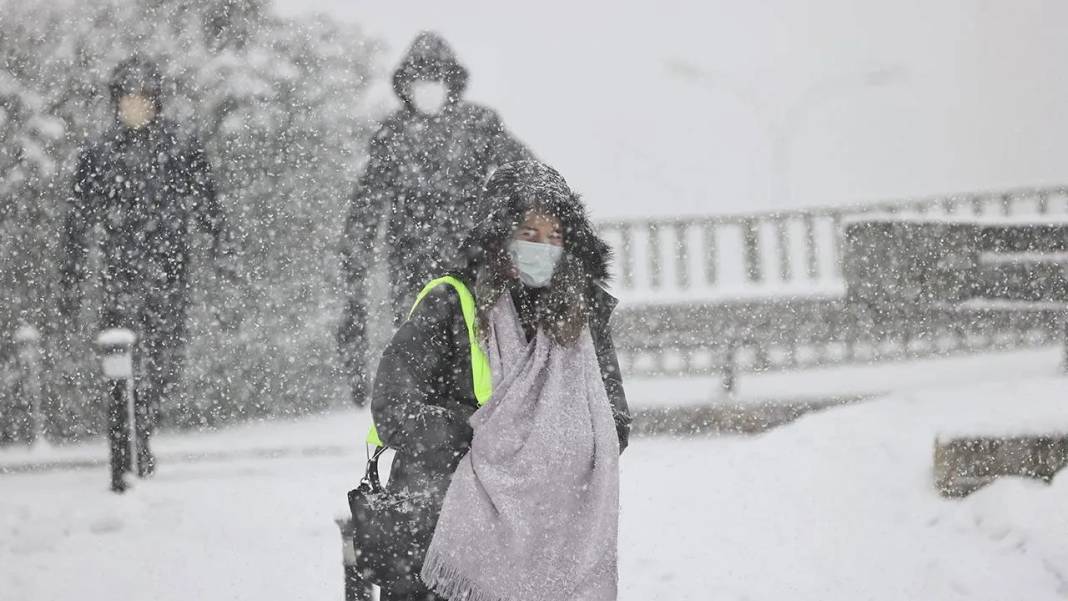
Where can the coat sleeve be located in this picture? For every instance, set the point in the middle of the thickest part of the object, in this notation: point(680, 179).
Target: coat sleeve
point(207, 211)
point(367, 209)
point(81, 217)
point(412, 371)
point(601, 331)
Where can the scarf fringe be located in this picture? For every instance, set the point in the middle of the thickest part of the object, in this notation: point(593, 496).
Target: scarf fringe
point(449, 582)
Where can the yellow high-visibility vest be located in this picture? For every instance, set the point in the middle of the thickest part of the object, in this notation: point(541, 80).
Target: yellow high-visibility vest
point(481, 378)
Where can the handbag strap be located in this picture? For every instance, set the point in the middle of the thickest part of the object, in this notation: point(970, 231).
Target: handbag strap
point(371, 476)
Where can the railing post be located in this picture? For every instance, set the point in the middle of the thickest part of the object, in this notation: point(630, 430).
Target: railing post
point(837, 242)
point(729, 382)
point(682, 257)
point(811, 253)
point(1043, 202)
point(710, 253)
point(751, 239)
point(761, 356)
point(654, 255)
point(626, 255)
point(782, 235)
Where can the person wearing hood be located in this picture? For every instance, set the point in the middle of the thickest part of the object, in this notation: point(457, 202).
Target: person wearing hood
point(503, 385)
point(144, 185)
point(428, 161)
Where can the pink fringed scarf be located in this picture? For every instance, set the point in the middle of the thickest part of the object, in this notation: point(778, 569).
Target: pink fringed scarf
point(532, 511)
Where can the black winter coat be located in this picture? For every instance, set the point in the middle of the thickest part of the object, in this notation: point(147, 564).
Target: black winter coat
point(423, 177)
point(422, 182)
point(423, 394)
point(145, 188)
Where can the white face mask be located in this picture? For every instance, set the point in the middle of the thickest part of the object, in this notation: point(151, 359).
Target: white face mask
point(535, 262)
point(429, 97)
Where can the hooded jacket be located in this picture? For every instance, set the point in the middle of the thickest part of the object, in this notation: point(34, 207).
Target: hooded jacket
point(422, 181)
point(145, 191)
point(423, 394)
point(423, 177)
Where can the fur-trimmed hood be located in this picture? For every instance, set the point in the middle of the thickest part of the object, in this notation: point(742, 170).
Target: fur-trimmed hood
point(518, 187)
point(430, 58)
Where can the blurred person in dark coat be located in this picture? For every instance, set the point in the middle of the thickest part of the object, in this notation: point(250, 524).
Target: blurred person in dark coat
point(144, 185)
point(428, 162)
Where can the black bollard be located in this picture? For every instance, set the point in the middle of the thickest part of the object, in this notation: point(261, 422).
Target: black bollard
point(116, 354)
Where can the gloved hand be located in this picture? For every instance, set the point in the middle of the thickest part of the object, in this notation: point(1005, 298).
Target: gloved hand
point(360, 390)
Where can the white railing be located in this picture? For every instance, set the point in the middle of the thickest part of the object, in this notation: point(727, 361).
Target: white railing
point(773, 254)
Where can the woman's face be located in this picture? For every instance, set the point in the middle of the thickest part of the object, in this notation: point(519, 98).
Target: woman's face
point(540, 228)
point(535, 249)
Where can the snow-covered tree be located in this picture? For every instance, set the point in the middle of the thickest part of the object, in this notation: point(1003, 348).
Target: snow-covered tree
point(276, 102)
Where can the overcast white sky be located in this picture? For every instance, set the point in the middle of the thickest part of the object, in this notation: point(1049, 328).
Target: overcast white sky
point(672, 107)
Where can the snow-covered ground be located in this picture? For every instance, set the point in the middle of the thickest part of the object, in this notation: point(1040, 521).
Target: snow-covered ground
point(837, 506)
point(840, 506)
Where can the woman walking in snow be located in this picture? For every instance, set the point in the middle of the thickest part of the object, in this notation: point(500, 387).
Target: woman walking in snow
point(503, 389)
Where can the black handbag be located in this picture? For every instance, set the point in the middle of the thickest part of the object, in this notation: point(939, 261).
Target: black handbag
point(391, 531)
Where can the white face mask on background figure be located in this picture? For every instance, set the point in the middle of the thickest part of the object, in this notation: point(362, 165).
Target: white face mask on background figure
point(535, 262)
point(429, 97)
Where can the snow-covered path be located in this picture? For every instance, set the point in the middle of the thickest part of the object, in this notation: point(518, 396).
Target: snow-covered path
point(244, 530)
point(838, 506)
